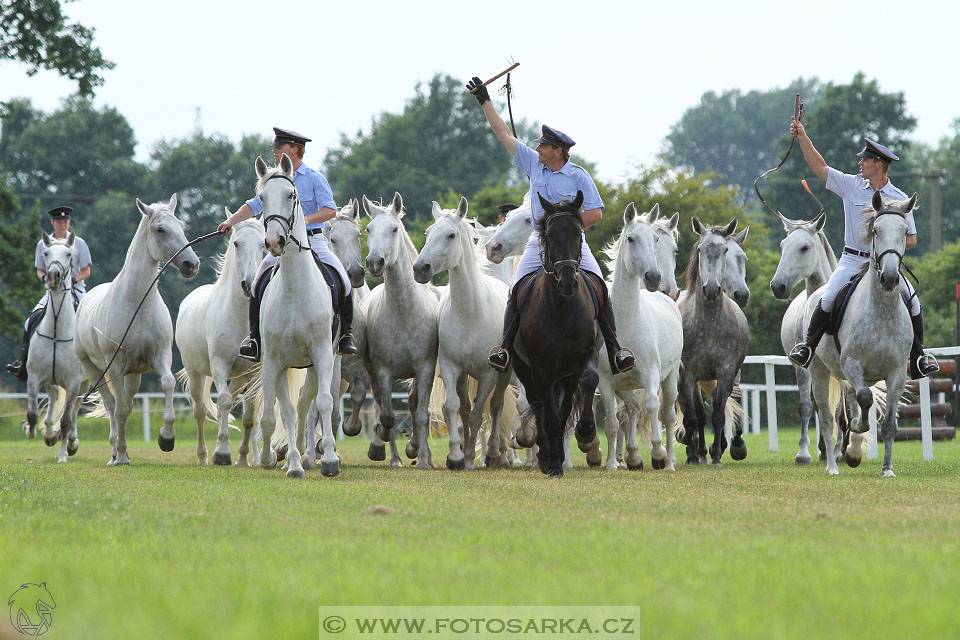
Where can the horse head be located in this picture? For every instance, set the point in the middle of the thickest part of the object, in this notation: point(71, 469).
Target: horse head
point(58, 257)
point(384, 231)
point(798, 254)
point(635, 251)
point(343, 234)
point(667, 236)
point(708, 259)
point(511, 236)
point(735, 270)
point(561, 240)
point(887, 226)
point(278, 195)
point(245, 251)
point(165, 237)
point(447, 240)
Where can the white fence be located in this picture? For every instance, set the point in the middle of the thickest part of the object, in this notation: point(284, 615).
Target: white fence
point(751, 404)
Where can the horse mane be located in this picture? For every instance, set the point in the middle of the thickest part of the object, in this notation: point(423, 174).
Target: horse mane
point(663, 224)
point(692, 273)
point(262, 181)
point(541, 222)
point(221, 260)
point(407, 242)
point(869, 215)
point(831, 255)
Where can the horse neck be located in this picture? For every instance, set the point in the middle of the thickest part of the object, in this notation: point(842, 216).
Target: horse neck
point(398, 275)
point(626, 288)
point(466, 279)
point(60, 302)
point(294, 260)
point(824, 267)
point(227, 287)
point(139, 269)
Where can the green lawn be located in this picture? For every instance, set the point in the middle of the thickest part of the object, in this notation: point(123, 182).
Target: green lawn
point(755, 549)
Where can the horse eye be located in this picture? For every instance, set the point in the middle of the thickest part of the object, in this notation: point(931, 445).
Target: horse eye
point(804, 249)
point(394, 230)
point(161, 230)
point(236, 244)
point(656, 238)
point(452, 236)
point(629, 239)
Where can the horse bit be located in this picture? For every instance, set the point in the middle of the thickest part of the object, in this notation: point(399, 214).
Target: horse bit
point(557, 265)
point(288, 221)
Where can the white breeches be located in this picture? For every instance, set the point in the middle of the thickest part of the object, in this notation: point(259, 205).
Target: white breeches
point(848, 266)
point(530, 260)
point(318, 243)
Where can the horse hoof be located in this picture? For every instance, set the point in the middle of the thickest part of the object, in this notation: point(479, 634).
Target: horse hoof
point(638, 467)
point(72, 447)
point(382, 432)
point(716, 463)
point(377, 452)
point(318, 448)
point(802, 460)
point(491, 462)
point(555, 472)
point(456, 465)
point(526, 439)
point(222, 459)
point(585, 435)
point(268, 463)
point(738, 451)
point(242, 462)
point(852, 462)
point(411, 450)
point(330, 469)
point(595, 457)
point(50, 441)
point(281, 453)
point(295, 473)
point(693, 460)
point(865, 400)
point(166, 444)
point(350, 429)
point(658, 464)
point(888, 473)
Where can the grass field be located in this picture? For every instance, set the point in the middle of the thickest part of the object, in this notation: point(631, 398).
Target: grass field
point(755, 549)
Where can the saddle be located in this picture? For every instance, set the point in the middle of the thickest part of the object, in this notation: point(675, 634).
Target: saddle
point(840, 307)
point(330, 276)
point(596, 287)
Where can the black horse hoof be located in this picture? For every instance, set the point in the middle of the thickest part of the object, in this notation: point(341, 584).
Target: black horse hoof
point(377, 452)
point(456, 465)
point(382, 432)
point(350, 429)
point(281, 453)
point(555, 472)
point(73, 447)
point(330, 469)
point(693, 460)
point(318, 449)
point(738, 449)
point(853, 463)
point(658, 464)
point(222, 459)
point(166, 444)
point(638, 467)
point(50, 441)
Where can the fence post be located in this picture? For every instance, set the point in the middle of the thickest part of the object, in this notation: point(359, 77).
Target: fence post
point(926, 426)
point(771, 405)
point(145, 402)
point(872, 451)
point(755, 410)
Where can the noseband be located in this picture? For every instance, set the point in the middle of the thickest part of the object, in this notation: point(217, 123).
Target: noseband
point(287, 221)
point(553, 267)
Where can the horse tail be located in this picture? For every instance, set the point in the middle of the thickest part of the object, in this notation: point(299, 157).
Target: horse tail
point(645, 423)
point(58, 408)
point(438, 400)
point(295, 380)
point(99, 410)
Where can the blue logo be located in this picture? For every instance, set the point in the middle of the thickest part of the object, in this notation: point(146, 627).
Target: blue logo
point(30, 609)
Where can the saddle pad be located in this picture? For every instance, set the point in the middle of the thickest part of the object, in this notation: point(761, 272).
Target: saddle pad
point(330, 275)
point(843, 299)
point(523, 288)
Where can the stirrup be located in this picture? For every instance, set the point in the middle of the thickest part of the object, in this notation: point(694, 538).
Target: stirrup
point(16, 369)
point(249, 349)
point(624, 360)
point(927, 365)
point(801, 355)
point(499, 358)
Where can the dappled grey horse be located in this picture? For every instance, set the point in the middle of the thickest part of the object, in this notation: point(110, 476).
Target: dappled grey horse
point(875, 335)
point(715, 339)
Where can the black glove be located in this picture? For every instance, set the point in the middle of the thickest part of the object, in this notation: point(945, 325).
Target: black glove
point(481, 93)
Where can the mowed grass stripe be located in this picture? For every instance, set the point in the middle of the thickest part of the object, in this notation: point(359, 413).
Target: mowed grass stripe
point(759, 548)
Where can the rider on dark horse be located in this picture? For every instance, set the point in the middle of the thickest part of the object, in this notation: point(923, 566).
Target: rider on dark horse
point(316, 198)
point(555, 178)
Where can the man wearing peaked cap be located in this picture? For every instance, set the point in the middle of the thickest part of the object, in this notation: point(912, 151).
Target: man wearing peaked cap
point(316, 199)
point(857, 191)
point(60, 219)
point(555, 178)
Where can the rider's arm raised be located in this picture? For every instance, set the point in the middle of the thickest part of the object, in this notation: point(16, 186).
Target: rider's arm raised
point(810, 153)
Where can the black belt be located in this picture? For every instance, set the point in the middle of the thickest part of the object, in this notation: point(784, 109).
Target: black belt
point(862, 254)
point(311, 232)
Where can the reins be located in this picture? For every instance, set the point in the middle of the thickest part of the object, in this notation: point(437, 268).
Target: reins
point(288, 220)
point(65, 272)
point(555, 266)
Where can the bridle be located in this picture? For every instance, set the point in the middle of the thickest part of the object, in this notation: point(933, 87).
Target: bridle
point(66, 285)
point(553, 267)
point(287, 221)
point(873, 241)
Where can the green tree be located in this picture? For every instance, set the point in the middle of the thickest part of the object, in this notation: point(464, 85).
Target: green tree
point(735, 134)
point(946, 159)
point(440, 141)
point(36, 33)
point(938, 274)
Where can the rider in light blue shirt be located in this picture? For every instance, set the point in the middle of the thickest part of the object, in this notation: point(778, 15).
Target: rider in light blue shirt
point(555, 178)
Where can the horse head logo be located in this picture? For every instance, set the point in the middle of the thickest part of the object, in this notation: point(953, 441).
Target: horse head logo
point(30, 609)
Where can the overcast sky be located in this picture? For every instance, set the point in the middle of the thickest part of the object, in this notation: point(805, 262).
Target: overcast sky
point(613, 75)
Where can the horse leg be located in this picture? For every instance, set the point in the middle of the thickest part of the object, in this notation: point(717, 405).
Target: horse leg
point(358, 393)
point(611, 426)
point(307, 419)
point(195, 389)
point(247, 420)
point(420, 409)
point(689, 400)
point(820, 381)
point(33, 392)
point(451, 376)
point(887, 429)
point(497, 445)
point(330, 459)
point(165, 439)
point(586, 430)
point(651, 421)
point(382, 392)
point(717, 418)
point(50, 436)
point(127, 387)
point(268, 418)
point(628, 430)
point(853, 371)
point(668, 415)
point(68, 423)
point(806, 410)
point(288, 415)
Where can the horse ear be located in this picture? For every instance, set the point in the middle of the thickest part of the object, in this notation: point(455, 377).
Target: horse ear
point(70, 238)
point(911, 203)
point(877, 201)
point(173, 203)
point(462, 208)
point(286, 165)
point(578, 201)
point(697, 226)
point(369, 207)
point(654, 211)
point(436, 210)
point(730, 228)
point(629, 213)
point(547, 206)
point(397, 203)
point(46, 239)
point(261, 167)
point(356, 210)
point(226, 211)
point(145, 209)
point(674, 220)
point(820, 221)
point(788, 224)
point(741, 237)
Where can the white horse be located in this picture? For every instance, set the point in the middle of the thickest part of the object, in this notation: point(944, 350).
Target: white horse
point(648, 323)
point(805, 254)
point(401, 329)
point(211, 323)
point(107, 311)
point(666, 249)
point(296, 317)
point(875, 336)
point(735, 270)
point(469, 319)
point(52, 360)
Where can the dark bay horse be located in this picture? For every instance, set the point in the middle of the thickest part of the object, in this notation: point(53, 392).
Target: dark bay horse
point(556, 350)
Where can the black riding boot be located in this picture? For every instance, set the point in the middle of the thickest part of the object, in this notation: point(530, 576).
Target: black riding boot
point(620, 359)
point(921, 364)
point(250, 347)
point(499, 357)
point(19, 368)
point(802, 354)
point(346, 346)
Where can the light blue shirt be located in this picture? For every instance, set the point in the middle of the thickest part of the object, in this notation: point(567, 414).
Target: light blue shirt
point(857, 194)
point(312, 189)
point(81, 260)
point(555, 186)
